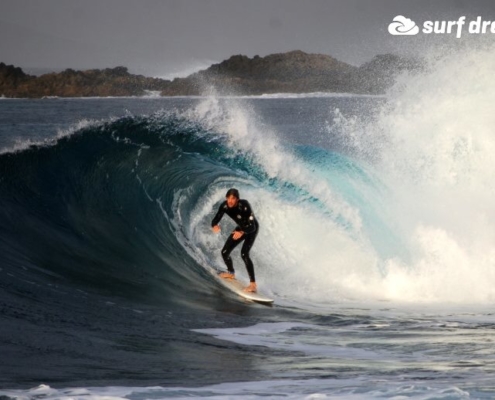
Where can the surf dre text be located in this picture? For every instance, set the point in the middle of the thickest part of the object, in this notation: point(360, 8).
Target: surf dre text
point(405, 26)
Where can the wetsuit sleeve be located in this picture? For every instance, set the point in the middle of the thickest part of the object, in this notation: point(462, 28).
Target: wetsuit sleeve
point(219, 215)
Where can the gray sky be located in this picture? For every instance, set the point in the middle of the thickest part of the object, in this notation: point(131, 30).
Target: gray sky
point(160, 37)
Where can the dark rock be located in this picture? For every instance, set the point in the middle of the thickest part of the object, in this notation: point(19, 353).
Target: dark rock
point(70, 83)
point(292, 72)
point(10, 78)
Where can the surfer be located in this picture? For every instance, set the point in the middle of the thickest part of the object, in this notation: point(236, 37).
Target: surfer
point(246, 230)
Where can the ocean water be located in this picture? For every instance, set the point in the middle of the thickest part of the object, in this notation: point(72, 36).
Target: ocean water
point(376, 242)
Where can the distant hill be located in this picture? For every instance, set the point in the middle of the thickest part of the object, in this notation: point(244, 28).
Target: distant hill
point(292, 72)
point(70, 83)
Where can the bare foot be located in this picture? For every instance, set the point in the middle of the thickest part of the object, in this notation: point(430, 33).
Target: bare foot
point(226, 275)
point(251, 288)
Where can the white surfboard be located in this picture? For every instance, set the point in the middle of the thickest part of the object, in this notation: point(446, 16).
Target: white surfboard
point(238, 288)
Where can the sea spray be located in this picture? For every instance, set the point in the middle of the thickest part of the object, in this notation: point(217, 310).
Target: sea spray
point(310, 245)
point(432, 146)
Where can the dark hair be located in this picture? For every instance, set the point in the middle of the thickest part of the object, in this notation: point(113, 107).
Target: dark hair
point(232, 192)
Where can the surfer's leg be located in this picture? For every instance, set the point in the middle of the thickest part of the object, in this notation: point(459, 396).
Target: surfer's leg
point(246, 247)
point(229, 245)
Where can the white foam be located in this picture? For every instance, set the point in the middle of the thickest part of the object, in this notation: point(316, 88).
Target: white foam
point(304, 252)
point(248, 136)
point(433, 145)
point(309, 389)
point(268, 335)
point(312, 95)
point(23, 144)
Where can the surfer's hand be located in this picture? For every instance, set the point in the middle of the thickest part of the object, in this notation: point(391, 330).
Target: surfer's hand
point(237, 235)
point(216, 229)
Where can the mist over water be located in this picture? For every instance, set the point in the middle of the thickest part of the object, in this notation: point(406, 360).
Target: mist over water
point(432, 146)
point(310, 242)
point(408, 217)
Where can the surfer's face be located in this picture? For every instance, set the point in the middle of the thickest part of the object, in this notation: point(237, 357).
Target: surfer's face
point(232, 201)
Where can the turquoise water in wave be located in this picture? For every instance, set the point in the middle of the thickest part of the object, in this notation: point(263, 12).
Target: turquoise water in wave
point(106, 252)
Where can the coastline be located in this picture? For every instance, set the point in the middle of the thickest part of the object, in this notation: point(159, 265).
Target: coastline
point(264, 96)
point(293, 74)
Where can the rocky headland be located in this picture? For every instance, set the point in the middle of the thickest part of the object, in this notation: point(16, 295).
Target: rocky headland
point(292, 72)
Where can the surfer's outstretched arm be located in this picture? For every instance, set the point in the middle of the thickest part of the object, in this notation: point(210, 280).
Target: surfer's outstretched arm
point(219, 215)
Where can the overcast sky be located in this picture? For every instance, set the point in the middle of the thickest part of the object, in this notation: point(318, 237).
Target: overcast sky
point(162, 37)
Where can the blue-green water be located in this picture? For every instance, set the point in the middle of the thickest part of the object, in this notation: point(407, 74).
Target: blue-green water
point(106, 257)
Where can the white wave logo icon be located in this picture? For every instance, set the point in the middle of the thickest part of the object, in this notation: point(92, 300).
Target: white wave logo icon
point(403, 26)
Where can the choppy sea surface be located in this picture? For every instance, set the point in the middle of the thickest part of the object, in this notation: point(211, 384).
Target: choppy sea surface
point(376, 241)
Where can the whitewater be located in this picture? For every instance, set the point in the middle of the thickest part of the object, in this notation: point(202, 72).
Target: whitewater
point(376, 240)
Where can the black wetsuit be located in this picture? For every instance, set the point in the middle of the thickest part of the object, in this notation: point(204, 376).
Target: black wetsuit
point(246, 222)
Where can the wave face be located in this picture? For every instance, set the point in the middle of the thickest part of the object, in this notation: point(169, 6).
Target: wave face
point(107, 252)
point(398, 211)
point(96, 207)
point(124, 206)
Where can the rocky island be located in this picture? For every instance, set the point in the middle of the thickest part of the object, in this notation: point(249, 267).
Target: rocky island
point(292, 72)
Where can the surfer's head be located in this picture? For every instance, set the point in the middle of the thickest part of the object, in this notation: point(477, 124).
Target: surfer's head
point(232, 197)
